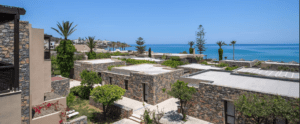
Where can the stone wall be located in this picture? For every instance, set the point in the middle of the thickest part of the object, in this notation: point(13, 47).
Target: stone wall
point(79, 66)
point(155, 84)
point(190, 70)
point(61, 87)
point(116, 109)
point(239, 63)
point(7, 55)
point(79, 120)
point(275, 66)
point(208, 102)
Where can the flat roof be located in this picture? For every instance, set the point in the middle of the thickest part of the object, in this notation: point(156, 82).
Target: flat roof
point(97, 61)
point(236, 61)
point(138, 58)
point(147, 68)
point(199, 66)
point(264, 85)
point(271, 73)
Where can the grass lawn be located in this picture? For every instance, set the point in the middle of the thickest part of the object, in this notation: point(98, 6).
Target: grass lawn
point(94, 115)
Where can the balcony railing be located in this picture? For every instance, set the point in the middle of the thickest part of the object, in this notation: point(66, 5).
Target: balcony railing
point(6, 78)
point(46, 55)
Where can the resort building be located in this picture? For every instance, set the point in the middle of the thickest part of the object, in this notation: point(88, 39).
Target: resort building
point(143, 82)
point(276, 65)
point(95, 65)
point(158, 61)
point(192, 68)
point(25, 74)
point(217, 89)
point(239, 63)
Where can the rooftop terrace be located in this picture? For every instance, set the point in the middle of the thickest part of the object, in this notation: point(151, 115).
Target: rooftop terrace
point(271, 73)
point(264, 85)
point(151, 69)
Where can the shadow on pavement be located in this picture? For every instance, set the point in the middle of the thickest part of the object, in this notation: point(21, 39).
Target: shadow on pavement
point(172, 116)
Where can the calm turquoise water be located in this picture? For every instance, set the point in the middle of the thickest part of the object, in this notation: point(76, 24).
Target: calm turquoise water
point(274, 52)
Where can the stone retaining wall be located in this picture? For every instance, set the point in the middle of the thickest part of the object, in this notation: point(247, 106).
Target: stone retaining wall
point(275, 66)
point(7, 56)
point(155, 83)
point(79, 120)
point(208, 103)
point(79, 66)
point(116, 109)
point(61, 87)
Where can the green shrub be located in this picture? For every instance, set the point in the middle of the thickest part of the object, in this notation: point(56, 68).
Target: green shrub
point(84, 92)
point(164, 57)
point(75, 90)
point(184, 52)
point(110, 67)
point(78, 57)
point(222, 65)
point(133, 61)
point(292, 70)
point(280, 68)
point(297, 69)
point(286, 68)
point(70, 99)
point(204, 62)
point(175, 58)
point(89, 78)
point(257, 63)
point(65, 56)
point(91, 55)
point(172, 64)
point(231, 68)
point(186, 63)
point(191, 50)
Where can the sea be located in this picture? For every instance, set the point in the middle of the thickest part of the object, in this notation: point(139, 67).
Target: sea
point(273, 52)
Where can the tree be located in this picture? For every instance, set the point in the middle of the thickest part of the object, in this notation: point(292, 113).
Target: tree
point(191, 43)
point(113, 45)
point(65, 29)
point(107, 95)
point(64, 58)
point(200, 39)
point(89, 78)
point(118, 44)
point(91, 44)
point(233, 43)
point(262, 109)
point(149, 52)
point(221, 43)
point(181, 91)
point(140, 48)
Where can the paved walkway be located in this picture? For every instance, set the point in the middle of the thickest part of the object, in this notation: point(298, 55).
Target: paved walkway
point(74, 83)
point(168, 106)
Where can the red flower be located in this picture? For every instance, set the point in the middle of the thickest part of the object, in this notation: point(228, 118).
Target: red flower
point(48, 105)
point(40, 107)
point(60, 121)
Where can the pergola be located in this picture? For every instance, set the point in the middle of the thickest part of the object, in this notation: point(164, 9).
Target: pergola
point(7, 14)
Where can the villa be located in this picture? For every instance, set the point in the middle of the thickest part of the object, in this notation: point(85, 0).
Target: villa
point(192, 68)
point(96, 65)
point(216, 90)
point(143, 82)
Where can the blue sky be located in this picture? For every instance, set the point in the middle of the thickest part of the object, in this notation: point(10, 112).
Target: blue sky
point(169, 22)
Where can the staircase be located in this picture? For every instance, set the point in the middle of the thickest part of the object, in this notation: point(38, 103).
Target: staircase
point(136, 118)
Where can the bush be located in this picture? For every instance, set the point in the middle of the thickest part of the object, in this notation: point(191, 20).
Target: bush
point(222, 65)
point(110, 67)
point(89, 78)
point(133, 61)
point(184, 52)
point(78, 57)
point(91, 55)
point(65, 55)
point(172, 64)
point(175, 58)
point(81, 91)
point(292, 70)
point(257, 63)
point(220, 54)
point(75, 90)
point(164, 57)
point(280, 68)
point(70, 99)
point(191, 50)
point(204, 62)
point(231, 68)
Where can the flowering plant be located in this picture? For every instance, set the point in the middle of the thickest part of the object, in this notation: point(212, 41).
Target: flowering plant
point(46, 106)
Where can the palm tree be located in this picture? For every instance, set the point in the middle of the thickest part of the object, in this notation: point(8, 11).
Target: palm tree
point(113, 44)
point(91, 44)
point(221, 43)
point(191, 43)
point(233, 43)
point(65, 29)
point(118, 44)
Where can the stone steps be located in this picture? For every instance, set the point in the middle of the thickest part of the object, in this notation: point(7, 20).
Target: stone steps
point(136, 118)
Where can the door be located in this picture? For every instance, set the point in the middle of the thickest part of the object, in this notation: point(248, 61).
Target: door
point(229, 113)
point(110, 80)
point(145, 92)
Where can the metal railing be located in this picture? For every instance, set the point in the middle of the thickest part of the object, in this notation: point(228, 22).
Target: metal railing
point(46, 55)
point(6, 78)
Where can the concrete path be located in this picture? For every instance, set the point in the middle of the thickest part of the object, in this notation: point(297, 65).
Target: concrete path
point(125, 121)
point(169, 107)
point(74, 83)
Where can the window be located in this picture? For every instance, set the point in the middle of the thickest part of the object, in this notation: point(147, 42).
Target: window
point(99, 74)
point(126, 84)
point(110, 80)
point(229, 112)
